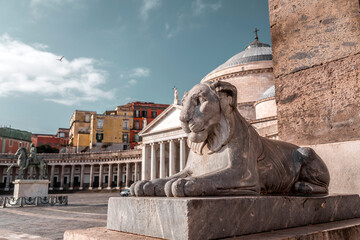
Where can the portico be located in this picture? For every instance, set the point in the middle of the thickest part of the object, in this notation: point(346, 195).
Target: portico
point(164, 148)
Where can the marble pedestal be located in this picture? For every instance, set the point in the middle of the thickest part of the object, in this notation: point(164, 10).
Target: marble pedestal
point(220, 217)
point(30, 188)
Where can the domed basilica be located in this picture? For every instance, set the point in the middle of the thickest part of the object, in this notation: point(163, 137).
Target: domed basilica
point(251, 72)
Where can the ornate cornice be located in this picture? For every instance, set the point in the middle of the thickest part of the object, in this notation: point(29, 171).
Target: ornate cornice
point(240, 73)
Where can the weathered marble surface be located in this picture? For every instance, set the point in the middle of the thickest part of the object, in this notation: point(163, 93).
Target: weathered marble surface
point(219, 217)
point(346, 229)
point(31, 188)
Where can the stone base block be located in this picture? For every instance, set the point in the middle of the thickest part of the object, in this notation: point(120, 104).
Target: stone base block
point(346, 229)
point(30, 188)
point(220, 217)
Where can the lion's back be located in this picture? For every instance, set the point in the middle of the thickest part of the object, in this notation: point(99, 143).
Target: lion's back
point(277, 170)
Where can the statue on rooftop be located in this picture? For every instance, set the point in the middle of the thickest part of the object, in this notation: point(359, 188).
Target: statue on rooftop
point(176, 97)
point(228, 157)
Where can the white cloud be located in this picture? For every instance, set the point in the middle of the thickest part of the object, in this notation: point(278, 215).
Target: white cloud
point(199, 7)
point(40, 46)
point(132, 82)
point(27, 70)
point(139, 72)
point(147, 6)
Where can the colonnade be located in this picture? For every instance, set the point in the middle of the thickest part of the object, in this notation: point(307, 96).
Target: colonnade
point(83, 169)
point(164, 158)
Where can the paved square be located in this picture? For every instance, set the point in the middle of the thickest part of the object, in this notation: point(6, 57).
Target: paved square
point(85, 210)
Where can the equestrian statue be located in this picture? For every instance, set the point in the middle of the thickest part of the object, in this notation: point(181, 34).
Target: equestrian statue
point(24, 162)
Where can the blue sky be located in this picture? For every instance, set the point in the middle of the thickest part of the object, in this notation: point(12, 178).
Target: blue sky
point(115, 51)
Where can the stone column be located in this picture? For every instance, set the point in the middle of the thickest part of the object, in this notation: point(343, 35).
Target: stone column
point(182, 153)
point(162, 160)
point(153, 161)
point(72, 177)
point(100, 176)
point(172, 152)
point(127, 175)
point(110, 176)
point(91, 176)
point(145, 165)
point(52, 177)
point(118, 178)
point(82, 170)
point(7, 184)
point(136, 172)
point(62, 177)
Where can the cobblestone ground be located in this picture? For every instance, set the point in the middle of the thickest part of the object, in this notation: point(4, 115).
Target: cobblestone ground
point(85, 210)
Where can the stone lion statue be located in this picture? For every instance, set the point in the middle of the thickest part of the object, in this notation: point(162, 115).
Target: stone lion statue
point(228, 157)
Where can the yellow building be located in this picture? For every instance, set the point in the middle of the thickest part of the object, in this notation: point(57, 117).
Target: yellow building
point(110, 132)
point(101, 132)
point(79, 135)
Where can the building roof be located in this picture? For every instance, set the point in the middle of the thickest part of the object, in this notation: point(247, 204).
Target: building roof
point(270, 92)
point(11, 133)
point(256, 51)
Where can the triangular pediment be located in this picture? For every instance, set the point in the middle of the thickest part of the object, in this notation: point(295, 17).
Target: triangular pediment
point(168, 120)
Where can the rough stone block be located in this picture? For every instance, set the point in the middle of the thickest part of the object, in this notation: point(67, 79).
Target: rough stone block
point(346, 229)
point(30, 188)
point(320, 104)
point(219, 217)
point(306, 33)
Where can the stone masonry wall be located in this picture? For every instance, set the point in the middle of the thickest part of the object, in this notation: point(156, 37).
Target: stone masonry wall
point(316, 54)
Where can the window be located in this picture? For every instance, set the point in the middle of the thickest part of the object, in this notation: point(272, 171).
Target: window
point(99, 137)
point(61, 135)
point(100, 123)
point(40, 144)
point(153, 114)
point(137, 113)
point(137, 125)
point(125, 138)
point(144, 114)
point(48, 143)
point(10, 143)
point(56, 144)
point(87, 118)
point(126, 125)
point(125, 114)
point(136, 138)
point(20, 144)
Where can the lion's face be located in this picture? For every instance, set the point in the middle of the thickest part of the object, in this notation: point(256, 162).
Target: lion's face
point(207, 115)
point(201, 110)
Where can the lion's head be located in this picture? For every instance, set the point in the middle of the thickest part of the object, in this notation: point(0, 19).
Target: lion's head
point(207, 115)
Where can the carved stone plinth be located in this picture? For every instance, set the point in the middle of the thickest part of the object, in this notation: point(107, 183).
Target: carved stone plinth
point(30, 188)
point(220, 217)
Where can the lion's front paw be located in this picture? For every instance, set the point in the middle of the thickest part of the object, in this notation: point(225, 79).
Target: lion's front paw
point(148, 188)
point(189, 187)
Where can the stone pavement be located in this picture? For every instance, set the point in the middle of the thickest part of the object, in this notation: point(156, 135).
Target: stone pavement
point(85, 210)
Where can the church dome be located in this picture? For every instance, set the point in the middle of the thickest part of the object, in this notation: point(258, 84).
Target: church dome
point(255, 52)
point(270, 92)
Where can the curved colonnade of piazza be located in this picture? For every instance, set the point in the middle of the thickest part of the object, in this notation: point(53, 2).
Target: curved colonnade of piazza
point(79, 171)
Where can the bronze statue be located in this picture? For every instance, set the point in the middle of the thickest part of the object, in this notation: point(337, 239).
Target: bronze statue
point(33, 161)
point(228, 157)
